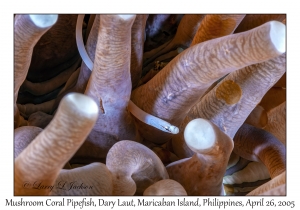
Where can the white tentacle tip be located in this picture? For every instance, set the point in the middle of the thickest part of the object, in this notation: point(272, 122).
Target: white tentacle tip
point(199, 135)
point(278, 35)
point(126, 17)
point(81, 103)
point(44, 21)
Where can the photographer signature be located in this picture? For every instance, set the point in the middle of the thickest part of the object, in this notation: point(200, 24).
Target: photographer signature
point(62, 185)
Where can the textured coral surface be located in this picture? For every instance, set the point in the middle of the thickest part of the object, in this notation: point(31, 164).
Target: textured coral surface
point(227, 69)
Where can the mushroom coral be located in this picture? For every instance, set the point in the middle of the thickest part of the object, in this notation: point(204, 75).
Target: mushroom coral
point(225, 66)
point(134, 167)
point(212, 150)
point(27, 31)
point(165, 187)
point(94, 178)
point(43, 158)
